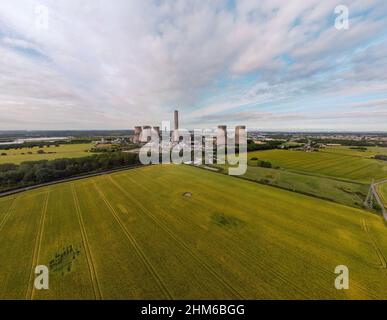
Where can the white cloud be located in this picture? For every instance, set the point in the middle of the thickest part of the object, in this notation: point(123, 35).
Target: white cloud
point(115, 64)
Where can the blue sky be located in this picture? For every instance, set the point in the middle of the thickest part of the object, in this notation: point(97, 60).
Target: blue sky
point(270, 65)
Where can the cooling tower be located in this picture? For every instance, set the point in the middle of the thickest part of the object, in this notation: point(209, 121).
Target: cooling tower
point(221, 138)
point(146, 134)
point(137, 134)
point(239, 130)
point(156, 131)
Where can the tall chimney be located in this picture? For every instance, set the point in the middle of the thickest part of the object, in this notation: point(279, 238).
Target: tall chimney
point(176, 120)
point(175, 137)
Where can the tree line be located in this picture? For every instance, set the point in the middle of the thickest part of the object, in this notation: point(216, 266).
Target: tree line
point(30, 173)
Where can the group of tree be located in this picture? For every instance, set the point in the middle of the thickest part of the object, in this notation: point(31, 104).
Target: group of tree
point(261, 163)
point(268, 145)
point(35, 172)
point(41, 144)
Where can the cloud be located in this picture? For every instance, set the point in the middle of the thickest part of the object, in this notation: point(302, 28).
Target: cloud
point(116, 64)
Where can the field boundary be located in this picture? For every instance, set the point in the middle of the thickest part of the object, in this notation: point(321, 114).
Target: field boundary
point(8, 213)
point(377, 197)
point(78, 177)
point(180, 242)
point(379, 253)
point(89, 257)
point(286, 189)
point(38, 243)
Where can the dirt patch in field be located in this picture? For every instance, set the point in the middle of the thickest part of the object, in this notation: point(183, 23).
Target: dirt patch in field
point(64, 259)
point(187, 194)
point(226, 221)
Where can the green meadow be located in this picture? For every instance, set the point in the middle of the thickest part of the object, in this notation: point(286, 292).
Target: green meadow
point(336, 165)
point(369, 152)
point(344, 192)
point(382, 191)
point(180, 232)
point(18, 156)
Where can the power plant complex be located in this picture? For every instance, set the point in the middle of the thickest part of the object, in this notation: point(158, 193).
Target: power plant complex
point(144, 134)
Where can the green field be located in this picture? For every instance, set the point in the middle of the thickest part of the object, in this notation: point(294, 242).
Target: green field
point(16, 156)
point(335, 165)
point(382, 191)
point(348, 193)
point(182, 232)
point(369, 153)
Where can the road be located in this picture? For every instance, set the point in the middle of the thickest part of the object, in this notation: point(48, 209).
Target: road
point(377, 197)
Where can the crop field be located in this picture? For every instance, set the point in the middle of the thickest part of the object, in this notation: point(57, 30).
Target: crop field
point(183, 232)
point(370, 152)
point(17, 156)
point(328, 164)
point(382, 191)
point(347, 193)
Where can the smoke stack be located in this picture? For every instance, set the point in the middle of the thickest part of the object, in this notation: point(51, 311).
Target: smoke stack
point(221, 138)
point(238, 132)
point(176, 120)
point(137, 134)
point(176, 126)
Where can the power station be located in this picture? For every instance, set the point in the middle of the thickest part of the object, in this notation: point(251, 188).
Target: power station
point(143, 134)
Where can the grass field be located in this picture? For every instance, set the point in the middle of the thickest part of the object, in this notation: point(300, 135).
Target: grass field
point(16, 156)
point(369, 153)
point(328, 164)
point(382, 191)
point(183, 232)
point(348, 193)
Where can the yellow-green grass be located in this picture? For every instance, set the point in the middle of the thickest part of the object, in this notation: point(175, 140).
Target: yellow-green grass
point(346, 150)
point(348, 193)
point(329, 164)
point(16, 156)
point(182, 232)
point(382, 191)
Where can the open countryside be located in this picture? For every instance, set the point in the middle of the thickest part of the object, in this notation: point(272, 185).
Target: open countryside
point(332, 164)
point(18, 155)
point(183, 232)
point(382, 190)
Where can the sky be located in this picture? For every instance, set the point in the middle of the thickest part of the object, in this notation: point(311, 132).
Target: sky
point(269, 64)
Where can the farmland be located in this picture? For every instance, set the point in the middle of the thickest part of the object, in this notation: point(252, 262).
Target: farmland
point(182, 232)
point(369, 152)
point(342, 166)
point(382, 191)
point(347, 193)
point(17, 156)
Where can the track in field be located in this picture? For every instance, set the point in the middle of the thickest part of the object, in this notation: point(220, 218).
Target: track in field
point(8, 213)
point(233, 291)
point(137, 248)
point(89, 257)
point(38, 244)
point(378, 252)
